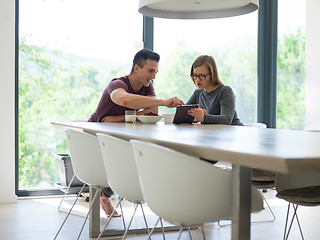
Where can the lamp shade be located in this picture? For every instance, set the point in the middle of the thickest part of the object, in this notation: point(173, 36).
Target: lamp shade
point(196, 9)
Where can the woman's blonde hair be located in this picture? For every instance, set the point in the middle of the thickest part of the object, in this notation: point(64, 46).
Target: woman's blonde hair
point(209, 61)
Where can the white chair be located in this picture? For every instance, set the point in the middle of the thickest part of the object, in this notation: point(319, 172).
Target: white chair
point(87, 164)
point(122, 173)
point(182, 189)
point(298, 189)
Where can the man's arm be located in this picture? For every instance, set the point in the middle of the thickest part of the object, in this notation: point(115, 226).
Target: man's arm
point(120, 97)
point(119, 118)
point(147, 110)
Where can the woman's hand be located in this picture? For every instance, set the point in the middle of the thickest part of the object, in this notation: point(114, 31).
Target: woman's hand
point(197, 113)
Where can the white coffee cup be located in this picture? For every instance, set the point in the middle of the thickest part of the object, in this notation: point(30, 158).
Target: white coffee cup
point(130, 116)
point(168, 118)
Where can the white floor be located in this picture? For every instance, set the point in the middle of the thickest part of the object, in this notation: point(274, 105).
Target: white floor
point(40, 219)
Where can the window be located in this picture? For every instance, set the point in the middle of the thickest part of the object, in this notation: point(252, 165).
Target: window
point(291, 64)
point(231, 41)
point(68, 52)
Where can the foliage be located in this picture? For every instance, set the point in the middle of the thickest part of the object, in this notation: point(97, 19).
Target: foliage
point(291, 81)
point(52, 86)
point(238, 69)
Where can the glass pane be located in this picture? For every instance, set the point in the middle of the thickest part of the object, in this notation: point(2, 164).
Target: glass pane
point(291, 64)
point(231, 41)
point(69, 51)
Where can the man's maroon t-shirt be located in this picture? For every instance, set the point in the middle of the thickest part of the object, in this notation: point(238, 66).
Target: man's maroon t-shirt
point(108, 108)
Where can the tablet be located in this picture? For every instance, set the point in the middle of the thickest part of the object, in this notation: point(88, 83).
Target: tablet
point(182, 115)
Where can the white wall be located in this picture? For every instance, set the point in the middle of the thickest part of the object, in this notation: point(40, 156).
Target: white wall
point(7, 176)
point(312, 65)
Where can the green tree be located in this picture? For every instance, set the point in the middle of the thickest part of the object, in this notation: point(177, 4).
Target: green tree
point(291, 81)
point(52, 86)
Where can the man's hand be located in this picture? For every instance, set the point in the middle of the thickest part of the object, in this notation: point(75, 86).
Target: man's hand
point(173, 102)
point(197, 113)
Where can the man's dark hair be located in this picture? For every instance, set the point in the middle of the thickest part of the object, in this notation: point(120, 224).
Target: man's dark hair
point(141, 57)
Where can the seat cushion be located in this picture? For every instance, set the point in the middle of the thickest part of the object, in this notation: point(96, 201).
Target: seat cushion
point(262, 175)
point(307, 196)
point(263, 184)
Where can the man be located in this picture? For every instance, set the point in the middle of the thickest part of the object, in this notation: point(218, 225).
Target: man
point(133, 91)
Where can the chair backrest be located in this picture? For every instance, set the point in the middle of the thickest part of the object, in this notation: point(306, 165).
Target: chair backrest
point(297, 180)
point(183, 189)
point(86, 158)
point(120, 167)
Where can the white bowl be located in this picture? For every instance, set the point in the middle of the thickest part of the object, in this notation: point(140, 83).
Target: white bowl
point(149, 119)
point(168, 118)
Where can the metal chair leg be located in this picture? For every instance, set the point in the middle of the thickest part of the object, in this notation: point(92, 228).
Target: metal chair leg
point(154, 227)
point(113, 212)
point(203, 234)
point(189, 231)
point(273, 216)
point(286, 224)
point(144, 217)
point(127, 229)
point(70, 210)
point(180, 232)
point(123, 222)
point(261, 221)
point(163, 233)
point(90, 208)
point(67, 190)
point(295, 215)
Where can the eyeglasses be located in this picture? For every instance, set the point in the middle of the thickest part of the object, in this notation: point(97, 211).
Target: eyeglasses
point(201, 76)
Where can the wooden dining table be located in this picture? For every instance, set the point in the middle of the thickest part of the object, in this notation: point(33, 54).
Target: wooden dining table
point(281, 151)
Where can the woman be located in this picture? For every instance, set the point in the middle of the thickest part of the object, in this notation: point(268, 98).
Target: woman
point(216, 101)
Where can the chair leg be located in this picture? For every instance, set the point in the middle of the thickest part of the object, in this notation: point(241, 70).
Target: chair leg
point(144, 217)
point(180, 232)
point(273, 216)
point(261, 221)
point(203, 234)
point(113, 212)
point(70, 211)
point(67, 190)
point(155, 225)
point(90, 208)
point(286, 224)
point(127, 229)
point(123, 222)
point(163, 233)
point(295, 215)
point(189, 231)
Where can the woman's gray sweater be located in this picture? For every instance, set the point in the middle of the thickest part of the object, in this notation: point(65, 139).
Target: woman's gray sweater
point(220, 104)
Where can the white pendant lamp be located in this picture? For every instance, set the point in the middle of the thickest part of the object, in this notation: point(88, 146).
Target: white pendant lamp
point(196, 9)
